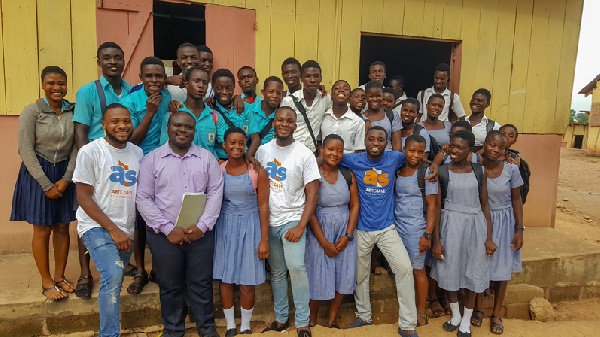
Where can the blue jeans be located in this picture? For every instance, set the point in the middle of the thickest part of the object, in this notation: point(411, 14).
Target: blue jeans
point(111, 265)
point(284, 256)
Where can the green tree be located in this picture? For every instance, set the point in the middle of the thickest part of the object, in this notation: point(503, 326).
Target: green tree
point(577, 117)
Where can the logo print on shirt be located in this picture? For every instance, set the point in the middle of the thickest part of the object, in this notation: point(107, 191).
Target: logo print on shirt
point(376, 178)
point(123, 175)
point(275, 171)
point(211, 137)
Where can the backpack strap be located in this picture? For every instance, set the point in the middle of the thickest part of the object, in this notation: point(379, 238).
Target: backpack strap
point(422, 93)
point(451, 108)
point(490, 126)
point(302, 111)
point(421, 173)
point(446, 156)
point(390, 115)
point(417, 129)
point(478, 170)
point(101, 95)
point(346, 174)
point(444, 178)
point(265, 131)
point(227, 120)
point(251, 172)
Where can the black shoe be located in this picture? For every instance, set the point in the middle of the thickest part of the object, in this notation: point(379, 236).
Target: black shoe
point(304, 333)
point(449, 326)
point(246, 332)
point(230, 332)
point(275, 326)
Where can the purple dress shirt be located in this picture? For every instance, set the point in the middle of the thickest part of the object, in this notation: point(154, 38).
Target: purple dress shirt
point(165, 176)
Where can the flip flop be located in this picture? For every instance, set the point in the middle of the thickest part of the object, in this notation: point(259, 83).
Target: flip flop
point(44, 290)
point(65, 281)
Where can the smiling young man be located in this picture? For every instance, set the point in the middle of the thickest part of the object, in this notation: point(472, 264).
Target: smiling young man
point(106, 175)
point(247, 80)
point(187, 57)
point(183, 255)
point(291, 73)
point(294, 180)
point(453, 108)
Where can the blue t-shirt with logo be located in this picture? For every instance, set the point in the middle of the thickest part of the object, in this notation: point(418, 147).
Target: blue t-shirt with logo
point(375, 181)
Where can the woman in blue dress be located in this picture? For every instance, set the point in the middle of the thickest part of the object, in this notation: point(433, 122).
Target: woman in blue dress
point(414, 222)
point(241, 232)
point(504, 191)
point(330, 247)
point(440, 130)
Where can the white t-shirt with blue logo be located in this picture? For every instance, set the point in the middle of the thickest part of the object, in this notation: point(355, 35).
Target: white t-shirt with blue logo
point(289, 169)
point(113, 173)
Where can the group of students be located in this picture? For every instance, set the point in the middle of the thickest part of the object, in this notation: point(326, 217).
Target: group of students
point(310, 180)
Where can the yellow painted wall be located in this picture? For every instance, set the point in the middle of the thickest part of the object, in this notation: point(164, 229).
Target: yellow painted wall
point(593, 137)
point(576, 130)
point(524, 51)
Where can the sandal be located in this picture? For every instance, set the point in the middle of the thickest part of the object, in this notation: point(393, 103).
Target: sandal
point(477, 318)
point(55, 287)
point(334, 325)
point(84, 290)
point(130, 270)
point(446, 305)
point(139, 281)
point(436, 308)
point(67, 283)
point(422, 316)
point(152, 277)
point(496, 328)
point(275, 326)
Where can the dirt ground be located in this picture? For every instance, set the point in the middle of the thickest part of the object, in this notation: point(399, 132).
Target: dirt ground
point(578, 215)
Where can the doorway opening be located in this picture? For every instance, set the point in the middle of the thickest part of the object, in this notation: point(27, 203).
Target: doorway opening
point(413, 58)
point(176, 23)
point(578, 142)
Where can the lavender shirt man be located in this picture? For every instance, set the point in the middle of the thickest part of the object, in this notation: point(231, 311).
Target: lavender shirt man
point(182, 256)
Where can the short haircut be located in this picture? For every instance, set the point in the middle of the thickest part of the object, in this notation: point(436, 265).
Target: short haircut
point(443, 67)
point(180, 112)
point(246, 68)
point(377, 63)
point(436, 96)
point(390, 91)
point(494, 133)
point(291, 60)
point(466, 135)
point(375, 128)
point(463, 124)
point(233, 130)
point(398, 78)
point(338, 81)
point(355, 90)
point(113, 106)
point(510, 126)
point(222, 73)
point(107, 45)
point(188, 73)
point(333, 136)
point(310, 64)
point(204, 49)
point(416, 139)
point(484, 92)
point(412, 100)
point(272, 79)
point(373, 85)
point(185, 45)
point(151, 60)
point(285, 107)
point(53, 70)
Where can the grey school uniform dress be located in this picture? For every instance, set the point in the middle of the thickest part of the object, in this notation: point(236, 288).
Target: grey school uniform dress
point(505, 261)
point(395, 125)
point(237, 234)
point(327, 275)
point(442, 136)
point(408, 215)
point(463, 231)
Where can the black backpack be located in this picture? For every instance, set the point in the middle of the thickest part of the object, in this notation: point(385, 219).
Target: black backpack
point(421, 174)
point(346, 174)
point(434, 147)
point(525, 174)
point(444, 178)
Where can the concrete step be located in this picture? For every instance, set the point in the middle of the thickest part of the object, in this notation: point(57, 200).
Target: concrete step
point(556, 267)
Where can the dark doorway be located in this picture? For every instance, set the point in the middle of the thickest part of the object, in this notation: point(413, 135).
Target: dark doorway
point(415, 59)
point(578, 143)
point(175, 24)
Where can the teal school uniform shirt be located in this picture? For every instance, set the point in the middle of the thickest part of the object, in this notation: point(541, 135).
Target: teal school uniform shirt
point(242, 121)
point(257, 99)
point(87, 107)
point(375, 181)
point(258, 120)
point(207, 132)
point(135, 102)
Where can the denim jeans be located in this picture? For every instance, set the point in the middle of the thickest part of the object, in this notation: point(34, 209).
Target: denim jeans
point(111, 265)
point(284, 256)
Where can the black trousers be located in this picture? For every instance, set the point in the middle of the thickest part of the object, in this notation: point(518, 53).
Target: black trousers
point(180, 269)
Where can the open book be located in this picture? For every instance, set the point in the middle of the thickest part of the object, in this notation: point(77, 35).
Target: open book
point(191, 210)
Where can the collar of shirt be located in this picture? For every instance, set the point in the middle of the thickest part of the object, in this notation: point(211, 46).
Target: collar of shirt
point(347, 115)
point(446, 92)
point(484, 118)
point(257, 109)
point(64, 106)
point(166, 151)
point(229, 111)
point(125, 87)
point(207, 112)
point(300, 96)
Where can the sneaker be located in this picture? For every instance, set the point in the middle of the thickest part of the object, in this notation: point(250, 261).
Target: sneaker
point(358, 323)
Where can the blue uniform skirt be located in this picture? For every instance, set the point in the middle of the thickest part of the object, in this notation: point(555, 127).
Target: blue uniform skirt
point(31, 204)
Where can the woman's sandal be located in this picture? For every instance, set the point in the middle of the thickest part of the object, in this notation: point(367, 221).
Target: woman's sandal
point(436, 308)
point(65, 289)
point(446, 305)
point(130, 270)
point(139, 281)
point(422, 316)
point(84, 290)
point(496, 328)
point(334, 325)
point(477, 318)
point(58, 290)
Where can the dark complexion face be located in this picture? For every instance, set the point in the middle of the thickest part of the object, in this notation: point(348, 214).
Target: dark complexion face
point(387, 100)
point(340, 92)
point(235, 145)
point(188, 57)
point(223, 88)
point(291, 75)
point(273, 94)
point(511, 135)
point(440, 80)
point(206, 61)
point(377, 73)
point(333, 151)
point(153, 78)
point(494, 147)
point(374, 98)
point(398, 88)
point(247, 80)
point(459, 149)
point(479, 103)
point(284, 123)
point(375, 143)
point(434, 107)
point(181, 129)
point(55, 87)
point(197, 84)
point(357, 100)
point(408, 113)
point(112, 62)
point(311, 79)
point(454, 129)
point(117, 125)
point(414, 152)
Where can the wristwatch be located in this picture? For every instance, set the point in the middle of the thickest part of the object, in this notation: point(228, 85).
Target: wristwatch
point(428, 236)
point(350, 236)
point(520, 227)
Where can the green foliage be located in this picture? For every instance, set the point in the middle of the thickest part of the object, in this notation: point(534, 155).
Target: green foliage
point(578, 118)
